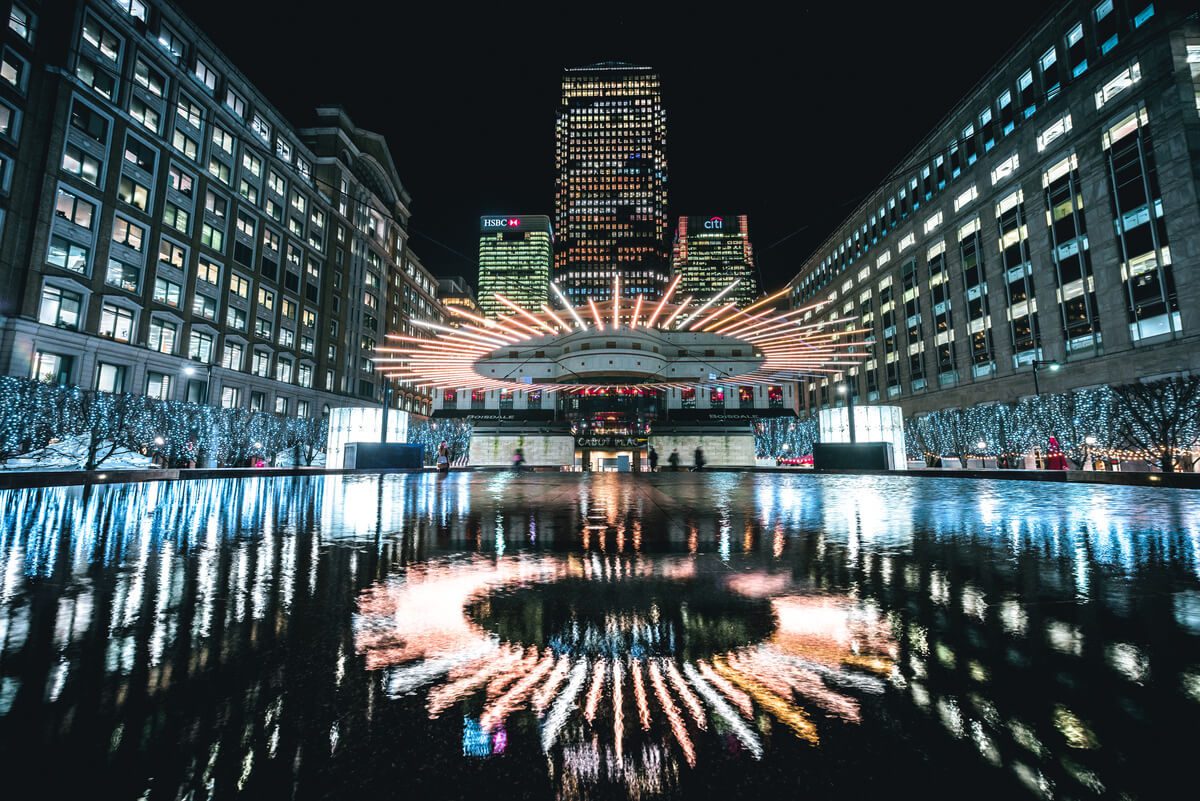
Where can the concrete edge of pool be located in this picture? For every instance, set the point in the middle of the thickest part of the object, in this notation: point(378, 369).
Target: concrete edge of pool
point(27, 480)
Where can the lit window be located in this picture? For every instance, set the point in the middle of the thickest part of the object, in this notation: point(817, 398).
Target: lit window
point(235, 102)
point(1120, 82)
point(222, 139)
point(163, 334)
point(116, 323)
point(60, 307)
point(966, 197)
point(167, 292)
point(1052, 132)
point(81, 165)
point(14, 70)
point(128, 234)
point(21, 22)
point(134, 8)
point(933, 222)
point(158, 385)
point(71, 207)
point(143, 113)
point(1005, 168)
point(200, 346)
point(102, 40)
point(261, 127)
point(170, 41)
point(206, 74)
point(185, 144)
point(123, 275)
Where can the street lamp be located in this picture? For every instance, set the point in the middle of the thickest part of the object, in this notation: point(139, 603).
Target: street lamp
point(387, 402)
point(844, 389)
point(190, 371)
point(1052, 366)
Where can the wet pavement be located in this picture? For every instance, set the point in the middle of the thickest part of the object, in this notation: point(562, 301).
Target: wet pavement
point(599, 636)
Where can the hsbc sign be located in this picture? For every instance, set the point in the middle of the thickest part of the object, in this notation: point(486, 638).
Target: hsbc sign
point(501, 222)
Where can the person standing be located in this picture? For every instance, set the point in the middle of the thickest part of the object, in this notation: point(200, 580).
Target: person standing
point(443, 458)
point(518, 459)
point(699, 459)
point(653, 460)
point(673, 459)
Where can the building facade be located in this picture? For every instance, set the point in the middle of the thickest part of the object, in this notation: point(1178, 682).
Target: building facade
point(1050, 221)
point(710, 253)
point(167, 232)
point(516, 254)
point(453, 292)
point(610, 202)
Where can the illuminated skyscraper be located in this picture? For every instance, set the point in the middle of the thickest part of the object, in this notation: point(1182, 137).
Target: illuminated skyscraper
point(610, 204)
point(710, 253)
point(515, 254)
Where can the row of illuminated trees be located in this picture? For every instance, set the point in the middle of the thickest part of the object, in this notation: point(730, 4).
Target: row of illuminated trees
point(1153, 421)
point(35, 415)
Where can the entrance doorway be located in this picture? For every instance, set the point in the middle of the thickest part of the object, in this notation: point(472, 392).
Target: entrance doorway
point(614, 461)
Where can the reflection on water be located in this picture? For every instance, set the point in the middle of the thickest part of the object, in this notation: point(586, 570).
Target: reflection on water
point(600, 636)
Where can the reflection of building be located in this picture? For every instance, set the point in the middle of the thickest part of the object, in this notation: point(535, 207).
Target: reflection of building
point(515, 257)
point(710, 252)
point(120, 598)
point(610, 206)
point(170, 233)
point(455, 292)
point(1046, 218)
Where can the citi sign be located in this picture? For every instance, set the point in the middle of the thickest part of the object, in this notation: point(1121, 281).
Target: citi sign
point(715, 223)
point(501, 222)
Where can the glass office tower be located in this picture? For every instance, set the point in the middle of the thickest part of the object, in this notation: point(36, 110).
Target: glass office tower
point(710, 253)
point(610, 206)
point(515, 253)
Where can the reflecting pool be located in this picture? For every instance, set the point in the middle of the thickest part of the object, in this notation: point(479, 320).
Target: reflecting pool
point(613, 636)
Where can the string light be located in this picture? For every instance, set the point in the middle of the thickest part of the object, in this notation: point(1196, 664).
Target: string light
point(35, 414)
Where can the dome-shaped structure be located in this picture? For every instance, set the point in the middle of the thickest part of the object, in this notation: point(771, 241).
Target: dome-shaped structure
point(624, 342)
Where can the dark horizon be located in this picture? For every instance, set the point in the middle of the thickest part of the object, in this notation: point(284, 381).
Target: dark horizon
point(791, 125)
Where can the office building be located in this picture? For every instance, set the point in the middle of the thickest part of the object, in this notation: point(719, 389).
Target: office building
point(610, 203)
point(710, 253)
point(454, 292)
point(1050, 221)
point(166, 231)
point(515, 257)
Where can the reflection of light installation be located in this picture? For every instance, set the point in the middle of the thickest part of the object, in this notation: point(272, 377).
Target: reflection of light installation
point(623, 342)
point(628, 671)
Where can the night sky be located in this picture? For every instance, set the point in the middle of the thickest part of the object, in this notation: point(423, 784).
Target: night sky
point(792, 120)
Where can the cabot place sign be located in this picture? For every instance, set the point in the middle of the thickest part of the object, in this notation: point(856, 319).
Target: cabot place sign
point(501, 222)
point(714, 223)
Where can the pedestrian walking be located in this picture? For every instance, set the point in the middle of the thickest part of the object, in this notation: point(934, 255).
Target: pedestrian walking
point(673, 459)
point(653, 459)
point(699, 456)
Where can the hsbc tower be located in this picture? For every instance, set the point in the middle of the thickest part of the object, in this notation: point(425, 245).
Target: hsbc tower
point(515, 256)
